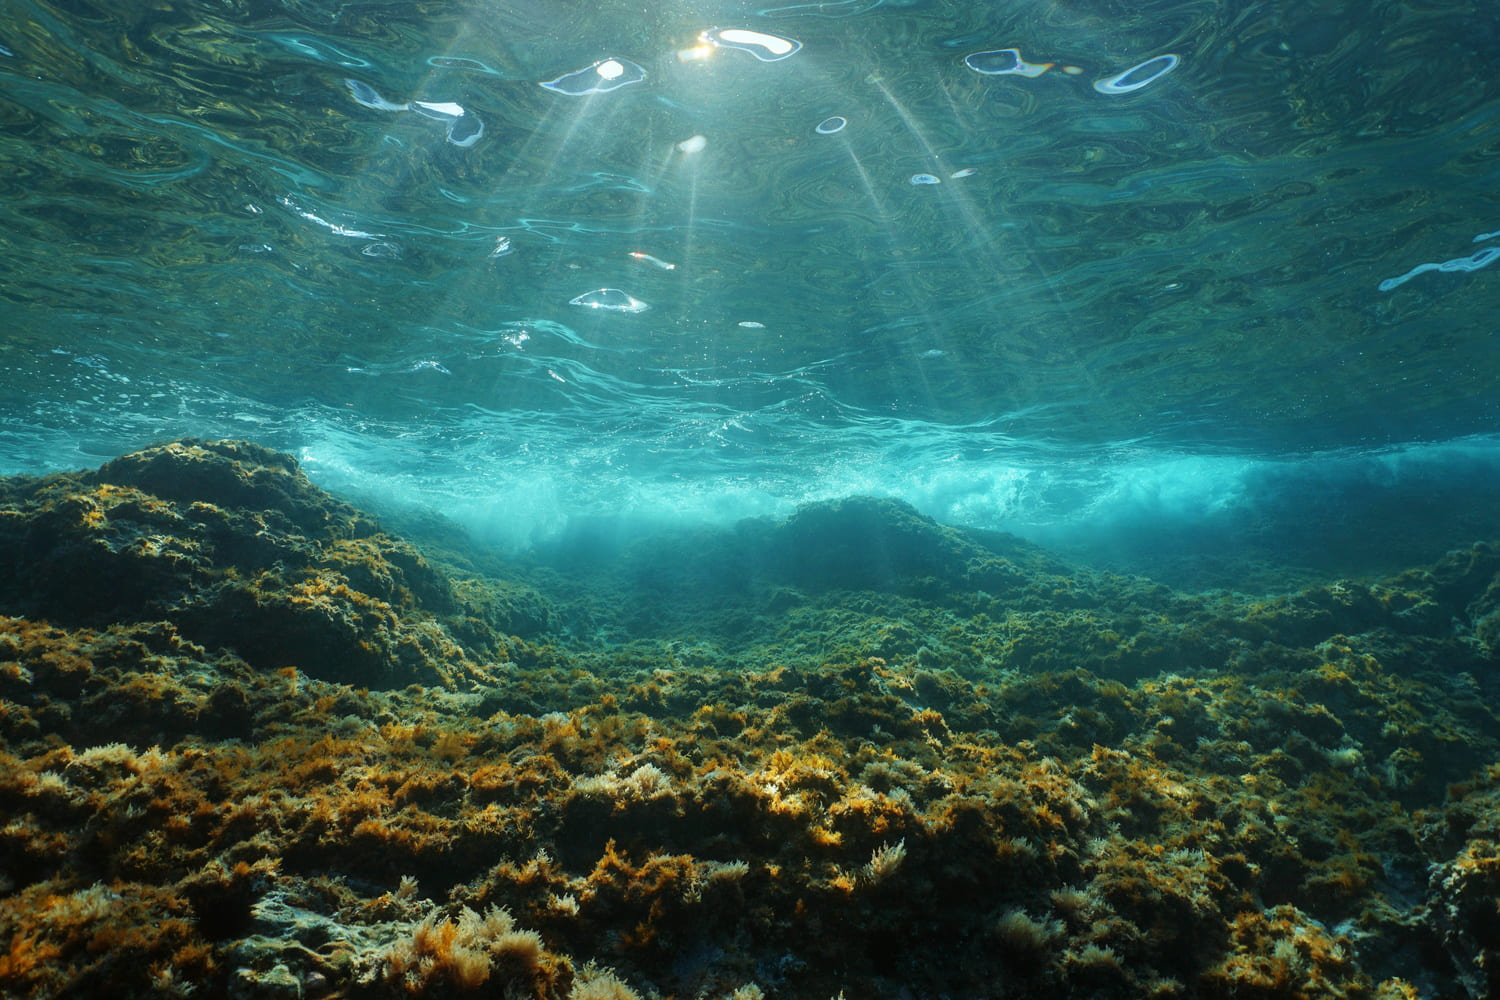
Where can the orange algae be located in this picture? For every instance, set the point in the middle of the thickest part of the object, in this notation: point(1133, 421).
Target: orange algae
point(986, 775)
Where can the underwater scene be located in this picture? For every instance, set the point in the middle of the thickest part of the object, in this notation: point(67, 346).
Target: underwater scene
point(745, 499)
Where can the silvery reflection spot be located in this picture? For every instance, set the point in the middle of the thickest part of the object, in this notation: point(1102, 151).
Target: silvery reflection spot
point(653, 261)
point(609, 300)
point(465, 131)
point(766, 48)
point(925, 179)
point(1138, 76)
point(600, 78)
point(463, 128)
point(461, 62)
point(692, 145)
point(442, 111)
point(828, 126)
point(750, 324)
point(834, 8)
point(365, 94)
point(1004, 62)
point(382, 249)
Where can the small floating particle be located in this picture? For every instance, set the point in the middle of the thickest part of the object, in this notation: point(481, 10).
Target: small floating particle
point(965, 172)
point(828, 126)
point(925, 179)
point(600, 78)
point(1139, 75)
point(1004, 62)
point(692, 145)
point(766, 48)
point(647, 258)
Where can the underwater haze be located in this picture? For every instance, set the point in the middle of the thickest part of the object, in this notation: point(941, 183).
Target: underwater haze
point(1123, 275)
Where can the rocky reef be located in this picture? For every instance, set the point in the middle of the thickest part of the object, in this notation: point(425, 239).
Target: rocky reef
point(254, 744)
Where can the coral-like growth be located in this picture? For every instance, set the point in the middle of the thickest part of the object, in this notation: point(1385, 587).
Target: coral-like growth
point(467, 952)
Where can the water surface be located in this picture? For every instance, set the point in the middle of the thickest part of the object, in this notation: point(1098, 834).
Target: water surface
point(358, 232)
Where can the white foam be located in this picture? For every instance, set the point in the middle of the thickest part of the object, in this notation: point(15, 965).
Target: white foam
point(519, 500)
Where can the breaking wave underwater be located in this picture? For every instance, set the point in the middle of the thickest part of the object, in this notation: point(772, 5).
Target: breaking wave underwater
point(546, 274)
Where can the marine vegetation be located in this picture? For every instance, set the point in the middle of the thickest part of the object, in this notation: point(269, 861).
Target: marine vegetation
point(255, 744)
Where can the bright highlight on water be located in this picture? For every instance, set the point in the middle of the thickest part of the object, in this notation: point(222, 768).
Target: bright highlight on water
point(609, 300)
point(765, 47)
point(597, 78)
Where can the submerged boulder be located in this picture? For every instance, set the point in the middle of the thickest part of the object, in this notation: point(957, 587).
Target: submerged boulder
point(866, 543)
point(232, 544)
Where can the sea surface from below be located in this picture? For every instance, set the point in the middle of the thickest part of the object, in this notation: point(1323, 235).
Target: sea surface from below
point(1187, 270)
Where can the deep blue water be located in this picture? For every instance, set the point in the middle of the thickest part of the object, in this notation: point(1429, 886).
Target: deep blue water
point(1132, 310)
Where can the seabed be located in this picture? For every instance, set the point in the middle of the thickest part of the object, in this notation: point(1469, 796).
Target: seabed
point(258, 744)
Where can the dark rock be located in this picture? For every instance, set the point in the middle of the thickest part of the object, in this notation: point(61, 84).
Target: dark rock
point(235, 546)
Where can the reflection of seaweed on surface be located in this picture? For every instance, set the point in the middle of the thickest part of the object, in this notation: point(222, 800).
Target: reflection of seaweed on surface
point(948, 764)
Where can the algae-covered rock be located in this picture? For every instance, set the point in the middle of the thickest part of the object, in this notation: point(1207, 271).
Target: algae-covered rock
point(851, 752)
point(865, 543)
point(234, 545)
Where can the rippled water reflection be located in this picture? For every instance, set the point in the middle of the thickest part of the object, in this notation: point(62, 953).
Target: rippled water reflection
point(1233, 227)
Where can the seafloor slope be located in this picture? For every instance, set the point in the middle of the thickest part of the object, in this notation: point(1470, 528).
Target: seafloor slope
point(255, 746)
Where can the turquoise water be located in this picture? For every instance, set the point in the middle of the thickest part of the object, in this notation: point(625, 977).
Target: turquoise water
point(1133, 307)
